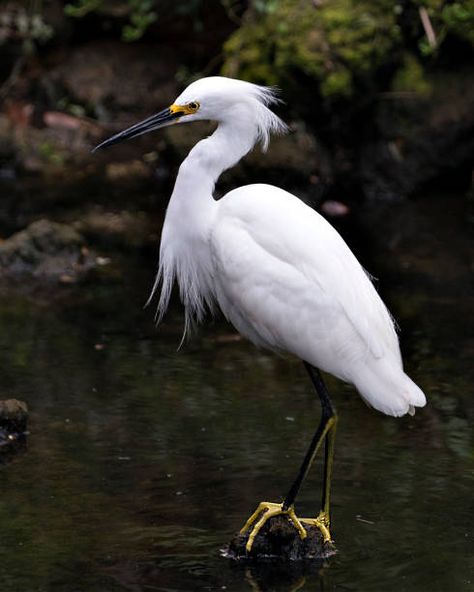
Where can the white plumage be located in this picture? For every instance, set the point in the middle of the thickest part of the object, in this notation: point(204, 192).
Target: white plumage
point(279, 272)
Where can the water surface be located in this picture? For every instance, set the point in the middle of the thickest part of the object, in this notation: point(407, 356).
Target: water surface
point(143, 461)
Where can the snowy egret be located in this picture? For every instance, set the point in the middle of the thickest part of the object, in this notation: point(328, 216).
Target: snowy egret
point(279, 272)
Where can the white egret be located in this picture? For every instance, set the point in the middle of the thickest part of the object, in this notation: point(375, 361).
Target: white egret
point(279, 272)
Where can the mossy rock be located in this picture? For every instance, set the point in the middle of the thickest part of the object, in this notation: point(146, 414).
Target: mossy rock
point(44, 249)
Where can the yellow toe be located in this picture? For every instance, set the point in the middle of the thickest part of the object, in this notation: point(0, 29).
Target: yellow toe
point(322, 523)
point(262, 514)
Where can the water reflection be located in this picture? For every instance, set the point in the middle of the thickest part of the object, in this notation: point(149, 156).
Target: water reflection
point(142, 461)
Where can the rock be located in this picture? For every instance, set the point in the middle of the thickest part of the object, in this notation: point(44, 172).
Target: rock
point(121, 229)
point(13, 420)
point(45, 249)
point(279, 540)
point(13, 415)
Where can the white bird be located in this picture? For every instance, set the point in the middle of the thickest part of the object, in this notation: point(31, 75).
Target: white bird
point(280, 273)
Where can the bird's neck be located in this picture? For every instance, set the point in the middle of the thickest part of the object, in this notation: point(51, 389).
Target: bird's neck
point(184, 249)
point(230, 142)
point(192, 202)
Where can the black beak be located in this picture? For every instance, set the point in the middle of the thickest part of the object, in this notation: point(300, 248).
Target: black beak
point(161, 119)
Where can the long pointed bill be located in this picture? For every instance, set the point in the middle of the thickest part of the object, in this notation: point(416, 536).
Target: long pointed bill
point(162, 119)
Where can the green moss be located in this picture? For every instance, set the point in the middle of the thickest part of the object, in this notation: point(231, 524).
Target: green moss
point(337, 83)
point(341, 47)
point(49, 153)
point(459, 19)
point(410, 77)
point(334, 44)
point(140, 13)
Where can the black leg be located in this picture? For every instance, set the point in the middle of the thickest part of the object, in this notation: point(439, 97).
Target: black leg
point(325, 432)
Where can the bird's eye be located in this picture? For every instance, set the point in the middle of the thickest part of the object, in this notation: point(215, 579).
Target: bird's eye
point(194, 105)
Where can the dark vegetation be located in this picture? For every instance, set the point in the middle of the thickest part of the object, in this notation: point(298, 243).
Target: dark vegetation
point(379, 94)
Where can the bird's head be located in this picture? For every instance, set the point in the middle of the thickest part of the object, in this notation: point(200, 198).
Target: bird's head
point(215, 98)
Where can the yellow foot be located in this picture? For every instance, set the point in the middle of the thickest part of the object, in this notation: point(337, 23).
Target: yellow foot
point(321, 522)
point(264, 512)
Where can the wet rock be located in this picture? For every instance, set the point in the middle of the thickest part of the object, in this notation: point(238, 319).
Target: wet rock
point(279, 540)
point(45, 249)
point(120, 229)
point(13, 415)
point(13, 420)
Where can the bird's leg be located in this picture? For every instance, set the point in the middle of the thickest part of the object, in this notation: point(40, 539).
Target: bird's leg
point(325, 433)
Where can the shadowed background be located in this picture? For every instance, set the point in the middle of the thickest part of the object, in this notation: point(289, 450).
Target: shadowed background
point(143, 461)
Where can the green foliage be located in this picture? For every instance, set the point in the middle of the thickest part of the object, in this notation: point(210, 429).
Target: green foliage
point(342, 45)
point(410, 77)
point(140, 13)
point(447, 18)
point(266, 6)
point(459, 19)
point(27, 26)
point(82, 7)
point(335, 43)
point(49, 153)
point(141, 17)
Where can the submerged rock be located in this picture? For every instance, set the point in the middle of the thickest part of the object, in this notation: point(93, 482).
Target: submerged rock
point(279, 540)
point(13, 420)
point(13, 415)
point(45, 249)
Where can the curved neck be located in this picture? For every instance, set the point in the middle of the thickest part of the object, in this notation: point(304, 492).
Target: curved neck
point(184, 248)
point(192, 199)
point(222, 150)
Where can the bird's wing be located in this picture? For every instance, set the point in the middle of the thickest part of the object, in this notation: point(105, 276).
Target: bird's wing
point(266, 235)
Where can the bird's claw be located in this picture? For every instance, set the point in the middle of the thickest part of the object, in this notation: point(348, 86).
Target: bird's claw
point(262, 514)
point(267, 510)
point(322, 523)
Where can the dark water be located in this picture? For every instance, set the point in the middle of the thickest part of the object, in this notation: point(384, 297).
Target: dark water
point(143, 461)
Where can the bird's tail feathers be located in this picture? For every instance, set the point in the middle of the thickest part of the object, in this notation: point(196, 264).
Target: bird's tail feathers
point(389, 390)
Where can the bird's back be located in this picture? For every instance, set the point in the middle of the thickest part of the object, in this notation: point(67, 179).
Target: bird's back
point(286, 279)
